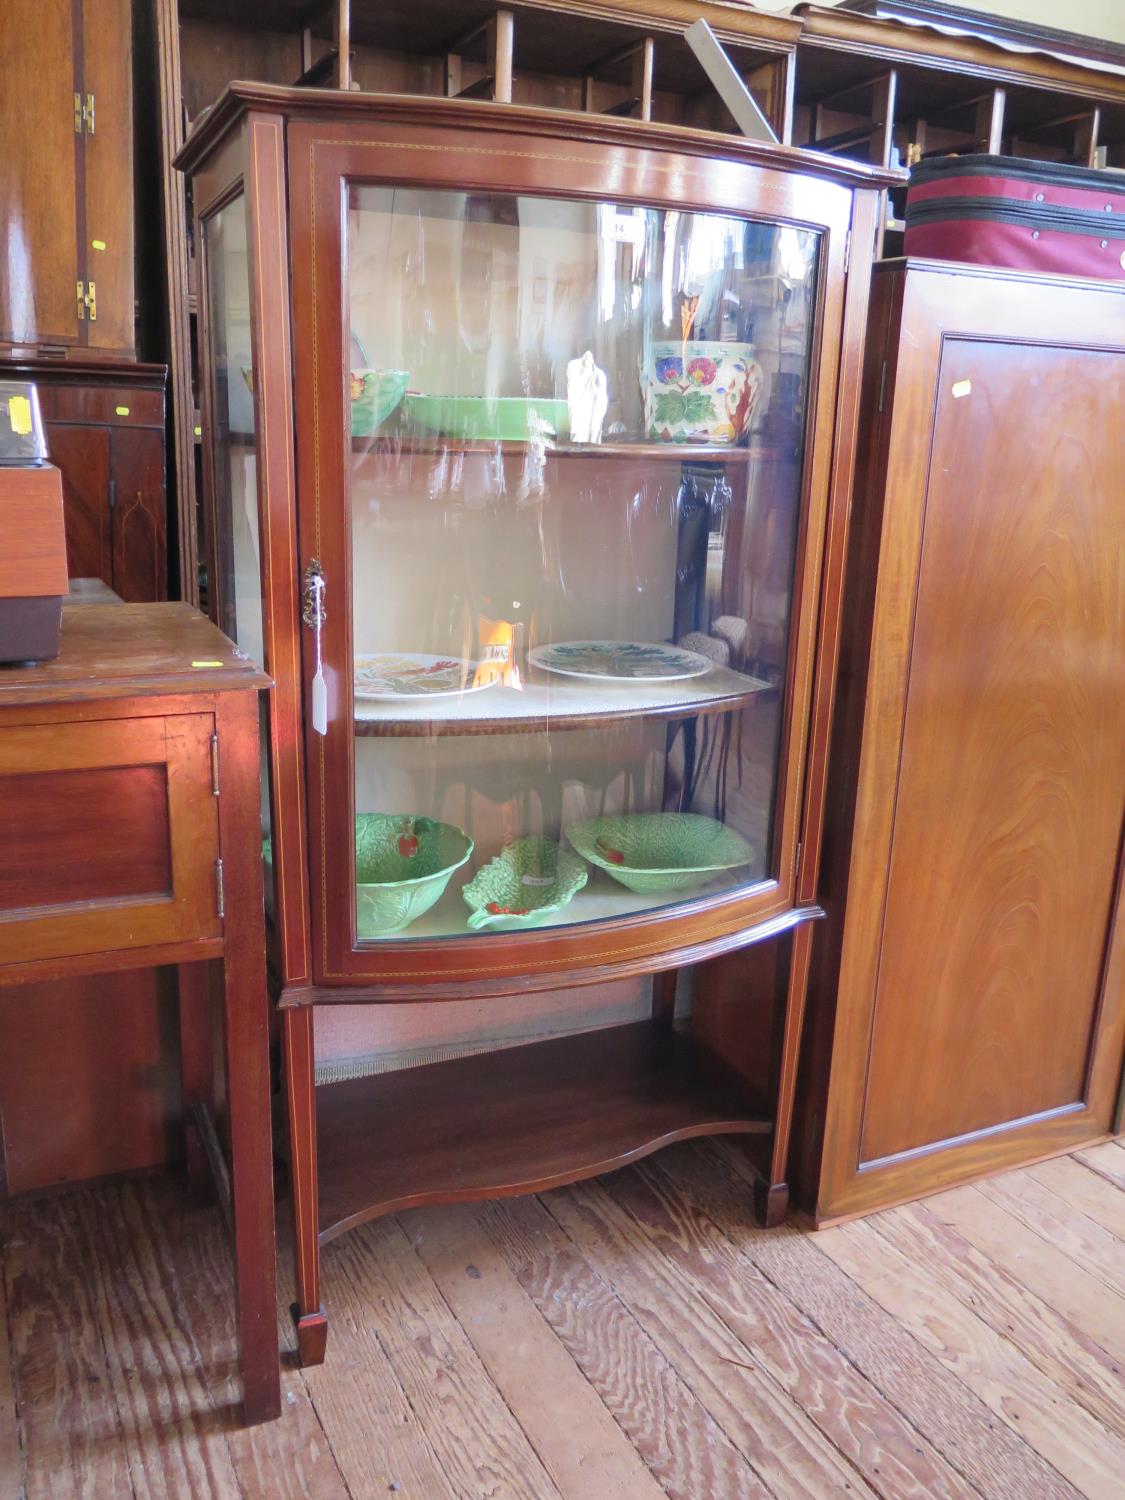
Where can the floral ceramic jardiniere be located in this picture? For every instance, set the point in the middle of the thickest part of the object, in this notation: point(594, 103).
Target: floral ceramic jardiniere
point(699, 391)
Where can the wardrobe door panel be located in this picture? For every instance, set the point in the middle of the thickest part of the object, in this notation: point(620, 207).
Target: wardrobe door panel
point(40, 265)
point(107, 76)
point(1008, 807)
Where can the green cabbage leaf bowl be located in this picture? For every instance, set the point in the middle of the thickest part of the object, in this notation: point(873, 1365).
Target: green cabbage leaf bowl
point(403, 864)
point(653, 853)
point(527, 881)
point(376, 395)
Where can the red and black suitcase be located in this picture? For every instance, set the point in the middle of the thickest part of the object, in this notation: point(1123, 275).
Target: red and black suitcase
point(1026, 215)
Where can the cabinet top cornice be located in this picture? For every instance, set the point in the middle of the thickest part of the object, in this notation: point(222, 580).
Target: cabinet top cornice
point(243, 98)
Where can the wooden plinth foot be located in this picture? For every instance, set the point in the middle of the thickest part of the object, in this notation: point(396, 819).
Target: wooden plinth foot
point(312, 1336)
point(771, 1203)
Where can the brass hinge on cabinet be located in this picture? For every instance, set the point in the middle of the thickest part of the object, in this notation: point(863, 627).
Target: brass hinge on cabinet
point(87, 301)
point(219, 906)
point(83, 114)
point(215, 764)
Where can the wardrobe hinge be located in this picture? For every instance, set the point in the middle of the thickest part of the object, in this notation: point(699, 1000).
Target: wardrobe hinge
point(83, 114)
point(215, 764)
point(219, 907)
point(87, 294)
point(882, 385)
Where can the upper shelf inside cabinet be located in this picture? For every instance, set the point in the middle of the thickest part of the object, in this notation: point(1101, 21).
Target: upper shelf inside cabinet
point(559, 703)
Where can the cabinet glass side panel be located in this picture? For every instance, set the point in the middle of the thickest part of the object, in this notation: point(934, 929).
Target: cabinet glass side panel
point(574, 480)
point(236, 588)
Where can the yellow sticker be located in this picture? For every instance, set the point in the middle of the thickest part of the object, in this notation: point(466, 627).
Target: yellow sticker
point(207, 664)
point(961, 388)
point(122, 411)
point(98, 244)
point(198, 431)
point(19, 415)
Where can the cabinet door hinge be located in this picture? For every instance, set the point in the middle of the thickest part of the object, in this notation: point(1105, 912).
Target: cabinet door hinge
point(88, 114)
point(847, 251)
point(797, 861)
point(219, 907)
point(79, 114)
point(113, 494)
point(215, 764)
point(87, 294)
point(882, 385)
point(81, 294)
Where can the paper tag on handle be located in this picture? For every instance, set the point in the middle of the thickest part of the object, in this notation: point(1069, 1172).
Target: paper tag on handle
point(319, 703)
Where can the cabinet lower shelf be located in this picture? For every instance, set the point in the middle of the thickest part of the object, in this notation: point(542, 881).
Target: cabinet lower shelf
point(518, 1120)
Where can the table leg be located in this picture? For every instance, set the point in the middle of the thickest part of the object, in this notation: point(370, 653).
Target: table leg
point(196, 1066)
point(300, 1093)
point(246, 1045)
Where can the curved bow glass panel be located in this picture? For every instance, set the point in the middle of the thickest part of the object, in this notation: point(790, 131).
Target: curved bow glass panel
point(574, 481)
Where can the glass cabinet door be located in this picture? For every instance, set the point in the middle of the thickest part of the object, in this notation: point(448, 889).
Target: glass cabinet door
point(573, 483)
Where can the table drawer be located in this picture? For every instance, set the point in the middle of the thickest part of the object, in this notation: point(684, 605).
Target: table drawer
point(108, 836)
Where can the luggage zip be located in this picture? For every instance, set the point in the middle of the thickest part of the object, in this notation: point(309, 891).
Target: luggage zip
point(1103, 226)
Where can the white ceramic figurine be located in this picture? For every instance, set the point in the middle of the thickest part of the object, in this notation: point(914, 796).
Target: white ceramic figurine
point(587, 398)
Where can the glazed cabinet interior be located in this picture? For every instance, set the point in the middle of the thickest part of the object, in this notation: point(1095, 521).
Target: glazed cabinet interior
point(540, 584)
point(968, 1003)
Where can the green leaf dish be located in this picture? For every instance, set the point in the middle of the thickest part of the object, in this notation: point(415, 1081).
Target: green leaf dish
point(509, 419)
point(652, 853)
point(527, 881)
point(403, 864)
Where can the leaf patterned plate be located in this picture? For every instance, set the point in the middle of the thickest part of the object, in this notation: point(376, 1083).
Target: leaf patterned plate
point(620, 661)
point(412, 674)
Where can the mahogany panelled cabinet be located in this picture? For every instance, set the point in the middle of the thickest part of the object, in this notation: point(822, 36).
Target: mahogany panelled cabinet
point(529, 440)
point(967, 1010)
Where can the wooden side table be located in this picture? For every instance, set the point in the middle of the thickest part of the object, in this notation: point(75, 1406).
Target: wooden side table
point(131, 836)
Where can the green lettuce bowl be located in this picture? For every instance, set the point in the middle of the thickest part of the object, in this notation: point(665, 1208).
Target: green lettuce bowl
point(527, 881)
point(511, 419)
point(403, 863)
point(653, 853)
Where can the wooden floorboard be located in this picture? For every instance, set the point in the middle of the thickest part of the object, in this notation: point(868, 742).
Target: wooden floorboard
point(627, 1338)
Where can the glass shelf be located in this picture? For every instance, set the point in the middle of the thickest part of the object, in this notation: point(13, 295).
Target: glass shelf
point(436, 445)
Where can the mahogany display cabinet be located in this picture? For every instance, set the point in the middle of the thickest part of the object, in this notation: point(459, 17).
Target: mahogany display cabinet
point(529, 439)
point(967, 1005)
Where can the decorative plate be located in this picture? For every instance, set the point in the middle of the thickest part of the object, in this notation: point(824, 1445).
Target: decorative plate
point(620, 661)
point(412, 674)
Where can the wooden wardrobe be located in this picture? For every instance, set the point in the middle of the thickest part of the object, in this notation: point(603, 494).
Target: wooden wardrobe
point(968, 1003)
